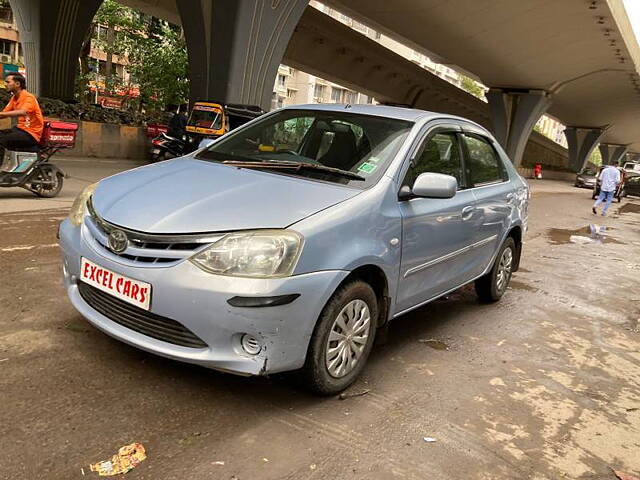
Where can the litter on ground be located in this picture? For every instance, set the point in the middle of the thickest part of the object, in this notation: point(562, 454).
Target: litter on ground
point(127, 458)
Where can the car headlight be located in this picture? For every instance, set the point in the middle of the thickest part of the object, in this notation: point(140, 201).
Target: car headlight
point(258, 254)
point(77, 209)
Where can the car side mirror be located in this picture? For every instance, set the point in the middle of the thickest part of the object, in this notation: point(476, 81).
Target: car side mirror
point(434, 185)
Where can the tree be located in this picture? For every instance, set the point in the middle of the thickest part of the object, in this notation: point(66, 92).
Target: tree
point(472, 87)
point(596, 157)
point(159, 64)
point(154, 52)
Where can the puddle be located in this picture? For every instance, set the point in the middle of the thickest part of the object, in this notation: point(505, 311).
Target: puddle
point(629, 208)
point(516, 285)
point(590, 234)
point(435, 344)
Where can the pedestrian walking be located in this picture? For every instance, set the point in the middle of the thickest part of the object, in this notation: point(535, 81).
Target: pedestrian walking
point(609, 181)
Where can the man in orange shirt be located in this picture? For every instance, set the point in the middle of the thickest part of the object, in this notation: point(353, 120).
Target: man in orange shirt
point(23, 105)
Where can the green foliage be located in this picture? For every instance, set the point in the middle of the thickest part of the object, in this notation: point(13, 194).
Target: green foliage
point(596, 157)
point(159, 64)
point(155, 53)
point(471, 86)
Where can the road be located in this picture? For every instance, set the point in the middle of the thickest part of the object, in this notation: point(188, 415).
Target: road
point(543, 385)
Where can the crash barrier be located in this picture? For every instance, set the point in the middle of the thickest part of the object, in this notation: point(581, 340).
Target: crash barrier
point(105, 140)
point(548, 174)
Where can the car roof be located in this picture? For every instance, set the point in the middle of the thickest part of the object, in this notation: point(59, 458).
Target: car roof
point(388, 111)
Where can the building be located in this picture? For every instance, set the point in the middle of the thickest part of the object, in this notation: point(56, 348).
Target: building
point(11, 58)
point(553, 129)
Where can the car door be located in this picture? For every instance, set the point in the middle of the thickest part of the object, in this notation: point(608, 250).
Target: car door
point(494, 195)
point(632, 186)
point(435, 232)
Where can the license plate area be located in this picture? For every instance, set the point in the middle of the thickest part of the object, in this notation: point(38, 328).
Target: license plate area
point(132, 291)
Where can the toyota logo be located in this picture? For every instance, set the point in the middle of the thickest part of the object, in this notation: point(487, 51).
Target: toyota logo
point(118, 241)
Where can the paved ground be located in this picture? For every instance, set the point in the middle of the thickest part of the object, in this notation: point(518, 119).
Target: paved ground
point(81, 172)
point(543, 385)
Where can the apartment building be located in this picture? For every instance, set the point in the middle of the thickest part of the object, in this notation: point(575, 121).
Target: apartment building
point(11, 58)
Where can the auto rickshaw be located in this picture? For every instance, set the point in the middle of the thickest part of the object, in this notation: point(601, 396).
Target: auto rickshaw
point(211, 120)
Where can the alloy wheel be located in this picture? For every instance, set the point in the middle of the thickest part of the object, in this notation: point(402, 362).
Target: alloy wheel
point(504, 270)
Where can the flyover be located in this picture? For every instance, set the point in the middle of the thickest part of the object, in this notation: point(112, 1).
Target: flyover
point(578, 60)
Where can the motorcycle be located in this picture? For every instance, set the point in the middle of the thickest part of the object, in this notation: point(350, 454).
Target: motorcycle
point(163, 147)
point(30, 169)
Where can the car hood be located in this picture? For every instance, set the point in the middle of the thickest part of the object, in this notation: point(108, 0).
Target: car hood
point(587, 178)
point(186, 195)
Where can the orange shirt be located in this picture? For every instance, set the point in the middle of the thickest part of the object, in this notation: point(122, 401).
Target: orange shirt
point(33, 122)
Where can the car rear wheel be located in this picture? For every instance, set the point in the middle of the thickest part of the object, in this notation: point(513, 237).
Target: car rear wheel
point(492, 286)
point(342, 339)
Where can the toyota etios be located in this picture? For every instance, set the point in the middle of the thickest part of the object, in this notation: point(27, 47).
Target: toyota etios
point(289, 242)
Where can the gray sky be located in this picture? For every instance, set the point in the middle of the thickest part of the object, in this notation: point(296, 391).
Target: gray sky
point(633, 11)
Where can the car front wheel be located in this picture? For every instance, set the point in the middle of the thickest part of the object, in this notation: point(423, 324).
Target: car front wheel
point(342, 339)
point(492, 286)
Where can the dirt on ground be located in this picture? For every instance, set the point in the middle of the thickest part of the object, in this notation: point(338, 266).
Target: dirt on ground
point(542, 385)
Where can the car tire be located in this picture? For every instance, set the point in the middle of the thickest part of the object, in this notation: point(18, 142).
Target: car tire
point(348, 306)
point(491, 287)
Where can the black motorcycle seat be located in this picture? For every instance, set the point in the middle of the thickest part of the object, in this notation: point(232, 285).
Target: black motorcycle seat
point(34, 149)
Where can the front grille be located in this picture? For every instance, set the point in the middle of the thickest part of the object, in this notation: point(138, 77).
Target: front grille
point(139, 320)
point(148, 248)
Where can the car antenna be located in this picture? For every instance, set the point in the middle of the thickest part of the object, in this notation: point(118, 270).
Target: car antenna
point(348, 105)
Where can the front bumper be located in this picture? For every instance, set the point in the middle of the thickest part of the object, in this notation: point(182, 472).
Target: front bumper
point(199, 301)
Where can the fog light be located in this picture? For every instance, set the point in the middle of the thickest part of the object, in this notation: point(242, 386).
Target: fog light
point(250, 344)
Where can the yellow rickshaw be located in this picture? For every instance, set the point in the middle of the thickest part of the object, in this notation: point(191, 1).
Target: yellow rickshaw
point(212, 120)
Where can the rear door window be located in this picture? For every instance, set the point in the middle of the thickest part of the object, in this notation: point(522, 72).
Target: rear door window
point(483, 163)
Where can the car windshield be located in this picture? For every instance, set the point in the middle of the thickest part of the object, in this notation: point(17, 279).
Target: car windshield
point(206, 117)
point(327, 143)
point(588, 171)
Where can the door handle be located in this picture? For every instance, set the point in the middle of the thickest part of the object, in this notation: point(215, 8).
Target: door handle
point(467, 212)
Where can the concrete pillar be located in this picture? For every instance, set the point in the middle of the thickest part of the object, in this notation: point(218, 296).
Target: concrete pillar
point(581, 142)
point(513, 115)
point(612, 154)
point(51, 34)
point(235, 47)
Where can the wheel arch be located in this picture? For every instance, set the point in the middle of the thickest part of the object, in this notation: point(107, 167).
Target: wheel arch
point(377, 279)
point(516, 234)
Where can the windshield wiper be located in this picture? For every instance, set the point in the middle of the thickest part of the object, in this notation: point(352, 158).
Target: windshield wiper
point(285, 165)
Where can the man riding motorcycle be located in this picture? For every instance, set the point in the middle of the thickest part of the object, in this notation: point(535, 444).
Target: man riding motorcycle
point(27, 133)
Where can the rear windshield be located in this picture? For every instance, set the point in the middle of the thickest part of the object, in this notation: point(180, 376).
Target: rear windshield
point(360, 144)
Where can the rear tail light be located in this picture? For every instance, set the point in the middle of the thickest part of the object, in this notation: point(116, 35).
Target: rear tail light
point(157, 143)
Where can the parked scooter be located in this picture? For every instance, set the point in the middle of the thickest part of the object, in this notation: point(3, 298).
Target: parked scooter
point(164, 147)
point(31, 169)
